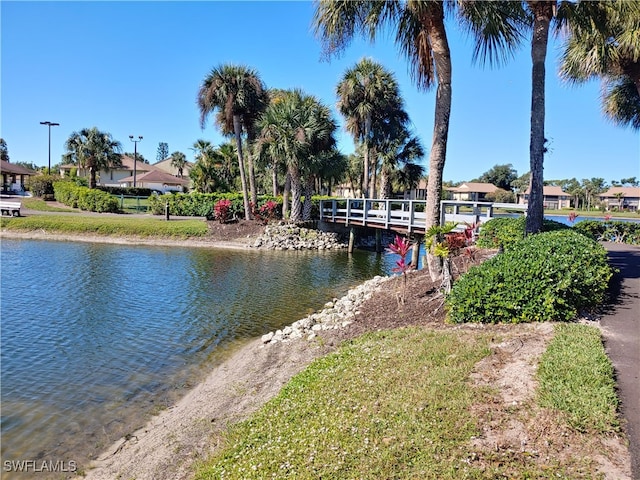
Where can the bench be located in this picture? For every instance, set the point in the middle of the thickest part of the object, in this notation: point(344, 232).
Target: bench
point(10, 208)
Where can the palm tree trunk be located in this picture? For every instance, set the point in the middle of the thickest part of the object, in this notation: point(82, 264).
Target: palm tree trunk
point(437, 157)
point(252, 171)
point(285, 196)
point(296, 194)
point(243, 179)
point(543, 13)
point(367, 132)
point(274, 179)
point(308, 193)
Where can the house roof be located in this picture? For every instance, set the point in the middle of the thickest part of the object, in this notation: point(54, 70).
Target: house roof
point(157, 176)
point(474, 187)
point(7, 167)
point(551, 191)
point(127, 164)
point(628, 192)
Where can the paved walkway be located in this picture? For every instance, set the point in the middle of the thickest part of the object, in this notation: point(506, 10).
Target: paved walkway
point(622, 341)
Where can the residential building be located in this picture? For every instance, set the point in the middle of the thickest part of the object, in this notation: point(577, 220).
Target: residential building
point(472, 191)
point(14, 177)
point(621, 198)
point(553, 198)
point(165, 166)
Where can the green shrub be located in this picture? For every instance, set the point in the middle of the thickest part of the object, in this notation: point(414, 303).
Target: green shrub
point(611, 231)
point(546, 277)
point(41, 185)
point(504, 231)
point(201, 204)
point(85, 198)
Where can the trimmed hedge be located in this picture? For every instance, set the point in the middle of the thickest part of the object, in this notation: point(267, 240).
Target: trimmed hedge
point(546, 277)
point(202, 204)
point(611, 230)
point(85, 198)
point(505, 231)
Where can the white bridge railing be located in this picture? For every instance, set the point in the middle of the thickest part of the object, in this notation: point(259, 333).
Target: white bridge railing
point(407, 215)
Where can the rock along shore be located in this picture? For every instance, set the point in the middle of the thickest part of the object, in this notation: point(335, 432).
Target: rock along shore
point(286, 236)
point(338, 313)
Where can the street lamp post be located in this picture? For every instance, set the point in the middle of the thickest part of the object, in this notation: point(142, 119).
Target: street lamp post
point(135, 155)
point(49, 124)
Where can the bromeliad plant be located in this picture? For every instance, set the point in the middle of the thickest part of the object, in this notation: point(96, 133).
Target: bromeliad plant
point(401, 246)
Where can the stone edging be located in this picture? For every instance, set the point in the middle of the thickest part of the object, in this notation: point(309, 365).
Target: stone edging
point(338, 313)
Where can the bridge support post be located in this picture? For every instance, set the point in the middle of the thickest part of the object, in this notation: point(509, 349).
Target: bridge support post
point(352, 239)
point(378, 240)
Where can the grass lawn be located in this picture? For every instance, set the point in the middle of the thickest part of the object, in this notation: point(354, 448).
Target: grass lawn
point(400, 403)
point(108, 225)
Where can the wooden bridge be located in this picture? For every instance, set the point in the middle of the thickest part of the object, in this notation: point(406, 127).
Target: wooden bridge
point(407, 216)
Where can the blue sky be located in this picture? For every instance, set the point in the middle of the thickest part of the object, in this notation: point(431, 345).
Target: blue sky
point(134, 68)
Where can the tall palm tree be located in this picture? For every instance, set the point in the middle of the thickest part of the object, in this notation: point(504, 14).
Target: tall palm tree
point(603, 42)
point(299, 129)
point(178, 161)
point(93, 149)
point(232, 91)
point(363, 96)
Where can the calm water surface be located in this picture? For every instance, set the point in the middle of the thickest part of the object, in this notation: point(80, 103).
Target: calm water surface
point(95, 338)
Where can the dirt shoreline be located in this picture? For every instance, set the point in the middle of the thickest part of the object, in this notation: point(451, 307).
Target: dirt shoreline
point(238, 244)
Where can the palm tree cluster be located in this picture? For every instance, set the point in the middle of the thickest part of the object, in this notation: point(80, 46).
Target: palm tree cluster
point(292, 133)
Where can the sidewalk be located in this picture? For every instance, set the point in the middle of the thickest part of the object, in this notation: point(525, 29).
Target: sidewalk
point(621, 327)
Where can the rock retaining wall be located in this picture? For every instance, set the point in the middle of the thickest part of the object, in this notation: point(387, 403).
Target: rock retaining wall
point(286, 236)
point(337, 314)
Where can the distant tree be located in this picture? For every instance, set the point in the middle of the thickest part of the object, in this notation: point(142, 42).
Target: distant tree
point(163, 151)
point(592, 187)
point(500, 175)
point(4, 150)
point(501, 196)
point(94, 150)
point(30, 166)
point(178, 161)
point(521, 184)
point(138, 156)
point(631, 181)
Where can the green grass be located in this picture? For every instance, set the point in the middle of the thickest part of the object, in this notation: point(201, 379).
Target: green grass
point(40, 205)
point(391, 404)
point(576, 378)
point(107, 225)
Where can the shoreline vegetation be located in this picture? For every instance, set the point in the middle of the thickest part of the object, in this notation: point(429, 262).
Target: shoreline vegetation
point(390, 395)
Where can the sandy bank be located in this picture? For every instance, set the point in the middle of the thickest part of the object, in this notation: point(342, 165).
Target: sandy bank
point(168, 445)
point(152, 241)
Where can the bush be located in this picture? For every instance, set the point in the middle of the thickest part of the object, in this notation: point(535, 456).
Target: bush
point(199, 204)
point(85, 198)
point(41, 185)
point(611, 231)
point(545, 277)
point(505, 231)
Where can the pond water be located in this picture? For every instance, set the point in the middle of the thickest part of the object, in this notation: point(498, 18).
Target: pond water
point(96, 338)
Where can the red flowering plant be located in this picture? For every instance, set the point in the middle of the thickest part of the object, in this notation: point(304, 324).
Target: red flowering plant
point(222, 210)
point(401, 246)
point(267, 212)
point(572, 217)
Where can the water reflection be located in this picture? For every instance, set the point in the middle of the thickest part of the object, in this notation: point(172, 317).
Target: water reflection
point(101, 335)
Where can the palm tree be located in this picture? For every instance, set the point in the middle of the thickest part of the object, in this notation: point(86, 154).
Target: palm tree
point(233, 91)
point(90, 148)
point(299, 129)
point(604, 43)
point(421, 35)
point(178, 161)
point(363, 96)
